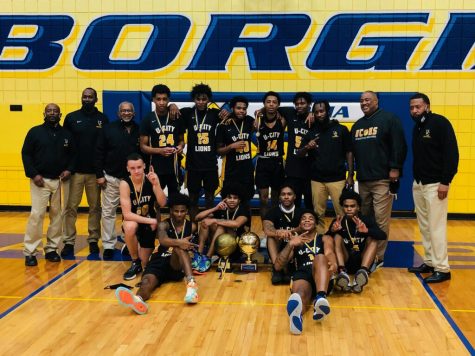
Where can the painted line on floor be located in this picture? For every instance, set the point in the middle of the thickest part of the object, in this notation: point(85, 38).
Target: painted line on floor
point(447, 316)
point(43, 287)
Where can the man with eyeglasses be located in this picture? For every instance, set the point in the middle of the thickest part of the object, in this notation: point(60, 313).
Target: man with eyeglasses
point(117, 141)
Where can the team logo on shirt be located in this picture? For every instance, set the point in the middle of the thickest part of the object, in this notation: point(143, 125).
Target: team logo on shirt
point(335, 134)
point(99, 124)
point(370, 132)
point(66, 142)
point(427, 134)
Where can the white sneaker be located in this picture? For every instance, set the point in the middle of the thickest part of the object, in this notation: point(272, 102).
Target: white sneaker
point(191, 296)
point(129, 300)
point(321, 308)
point(343, 281)
point(361, 279)
point(294, 310)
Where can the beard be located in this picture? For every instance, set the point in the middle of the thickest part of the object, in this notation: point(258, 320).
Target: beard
point(88, 106)
point(418, 119)
point(52, 120)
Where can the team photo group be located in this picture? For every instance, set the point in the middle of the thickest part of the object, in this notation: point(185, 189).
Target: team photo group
point(293, 157)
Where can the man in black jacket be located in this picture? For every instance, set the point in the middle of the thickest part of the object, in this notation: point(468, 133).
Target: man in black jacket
point(117, 141)
point(328, 147)
point(436, 159)
point(48, 159)
point(380, 149)
point(85, 125)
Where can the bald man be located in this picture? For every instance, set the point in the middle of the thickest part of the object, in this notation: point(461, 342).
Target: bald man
point(48, 159)
point(380, 149)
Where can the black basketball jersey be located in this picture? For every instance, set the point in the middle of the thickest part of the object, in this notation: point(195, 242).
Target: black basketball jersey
point(282, 220)
point(305, 254)
point(162, 132)
point(297, 129)
point(201, 138)
point(233, 215)
point(271, 139)
point(173, 234)
point(142, 202)
point(238, 162)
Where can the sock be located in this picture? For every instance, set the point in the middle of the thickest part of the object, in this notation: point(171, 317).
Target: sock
point(366, 269)
point(137, 260)
point(341, 269)
point(321, 294)
point(189, 279)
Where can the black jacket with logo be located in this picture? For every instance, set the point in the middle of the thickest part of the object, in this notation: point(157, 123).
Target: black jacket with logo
point(436, 154)
point(328, 160)
point(48, 151)
point(378, 145)
point(85, 128)
point(114, 144)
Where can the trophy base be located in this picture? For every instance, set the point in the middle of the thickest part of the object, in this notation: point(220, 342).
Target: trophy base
point(224, 266)
point(248, 267)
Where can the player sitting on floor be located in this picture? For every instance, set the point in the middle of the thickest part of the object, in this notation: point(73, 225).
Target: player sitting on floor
point(315, 262)
point(226, 217)
point(171, 262)
point(356, 239)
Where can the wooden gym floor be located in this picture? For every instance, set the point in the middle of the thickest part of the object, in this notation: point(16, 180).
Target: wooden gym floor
point(63, 308)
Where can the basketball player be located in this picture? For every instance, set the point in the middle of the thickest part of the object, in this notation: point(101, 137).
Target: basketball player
point(279, 224)
point(171, 262)
point(201, 121)
point(229, 216)
point(163, 139)
point(315, 261)
point(269, 165)
point(138, 195)
point(356, 242)
point(233, 141)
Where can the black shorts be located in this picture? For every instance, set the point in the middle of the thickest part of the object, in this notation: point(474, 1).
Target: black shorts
point(208, 180)
point(269, 173)
point(146, 236)
point(305, 273)
point(169, 181)
point(160, 267)
point(353, 263)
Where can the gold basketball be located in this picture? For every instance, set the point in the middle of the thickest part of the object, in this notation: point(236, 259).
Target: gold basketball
point(225, 245)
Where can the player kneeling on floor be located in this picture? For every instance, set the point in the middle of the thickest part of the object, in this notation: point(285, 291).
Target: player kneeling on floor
point(356, 239)
point(171, 262)
point(315, 262)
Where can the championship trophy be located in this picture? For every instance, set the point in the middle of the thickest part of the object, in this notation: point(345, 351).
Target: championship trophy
point(248, 244)
point(224, 246)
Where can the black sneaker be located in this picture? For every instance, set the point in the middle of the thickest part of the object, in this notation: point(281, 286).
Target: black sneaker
point(31, 261)
point(93, 247)
point(134, 269)
point(108, 254)
point(52, 256)
point(277, 277)
point(67, 251)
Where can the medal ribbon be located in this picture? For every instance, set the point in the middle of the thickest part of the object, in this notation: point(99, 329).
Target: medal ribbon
point(137, 196)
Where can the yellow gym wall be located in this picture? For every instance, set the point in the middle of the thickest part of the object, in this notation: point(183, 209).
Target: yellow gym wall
point(451, 91)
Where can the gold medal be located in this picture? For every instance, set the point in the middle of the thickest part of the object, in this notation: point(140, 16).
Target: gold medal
point(139, 211)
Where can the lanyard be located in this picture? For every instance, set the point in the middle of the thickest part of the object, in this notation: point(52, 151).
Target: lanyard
point(314, 249)
point(200, 126)
point(137, 196)
point(239, 130)
point(353, 239)
point(182, 233)
point(288, 212)
point(158, 120)
point(234, 214)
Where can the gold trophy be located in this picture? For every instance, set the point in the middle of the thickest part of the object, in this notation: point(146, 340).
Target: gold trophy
point(248, 244)
point(224, 246)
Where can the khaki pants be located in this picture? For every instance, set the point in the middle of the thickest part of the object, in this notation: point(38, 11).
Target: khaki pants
point(432, 219)
point(377, 201)
point(73, 195)
point(110, 199)
point(320, 192)
point(40, 197)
